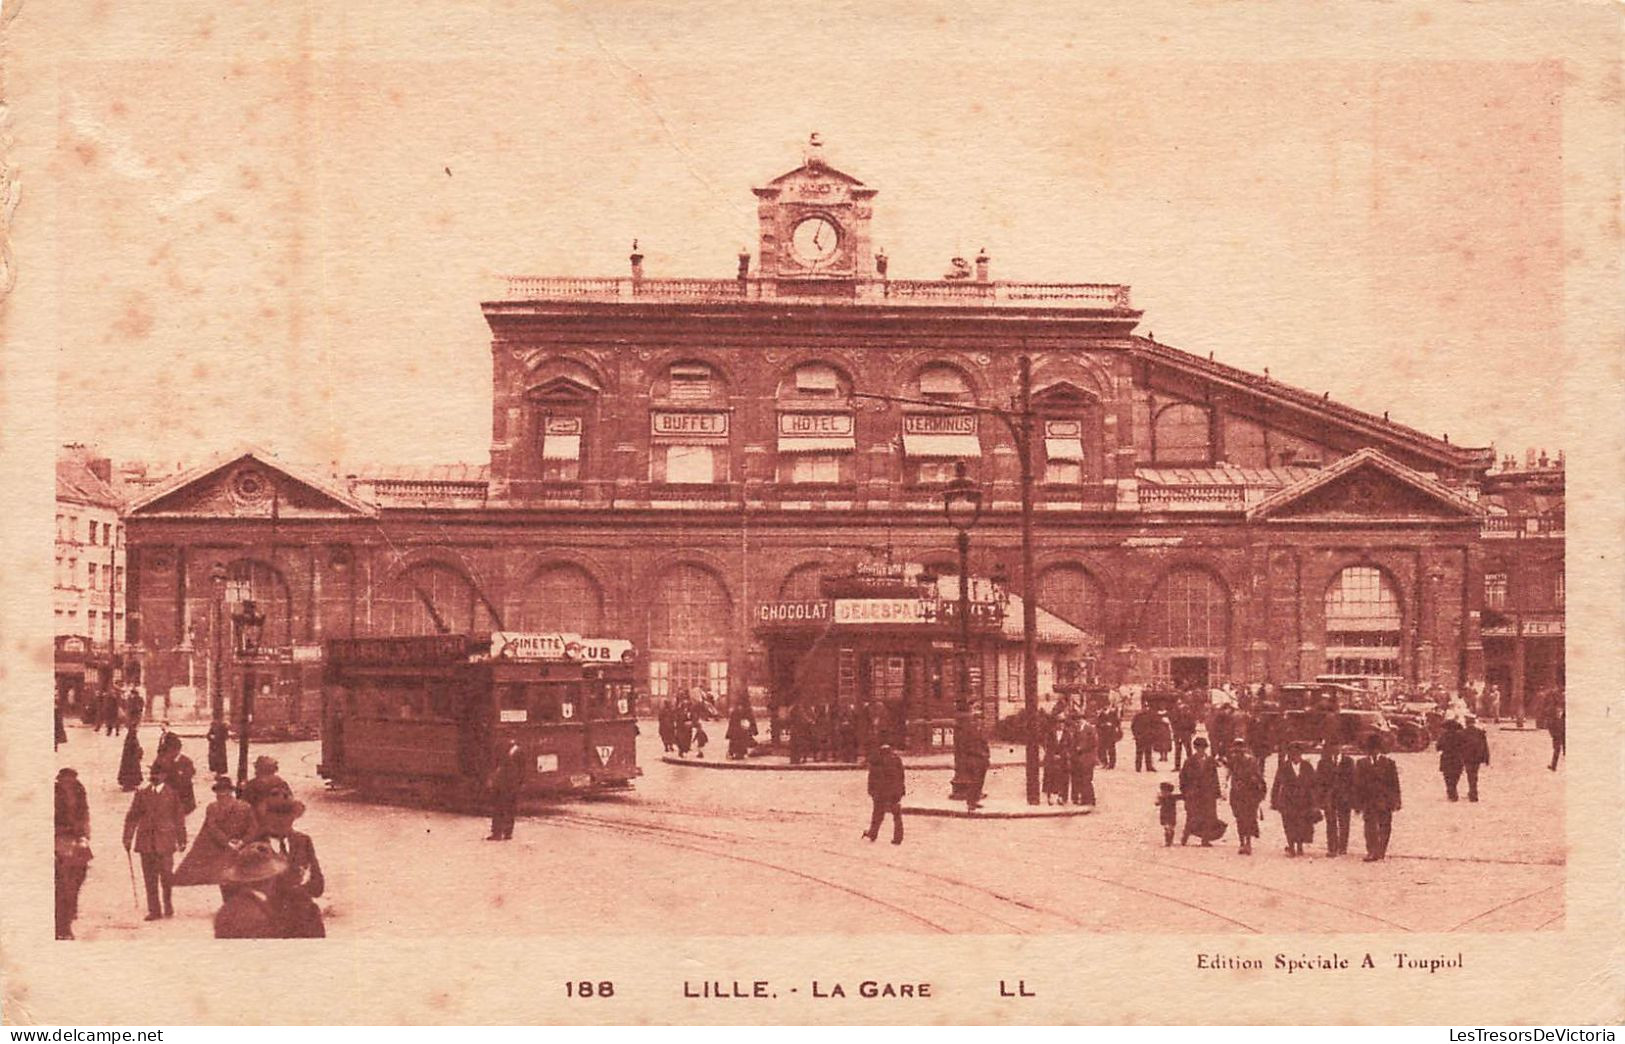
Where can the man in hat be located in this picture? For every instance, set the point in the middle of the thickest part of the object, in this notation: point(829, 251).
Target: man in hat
point(265, 781)
point(72, 848)
point(179, 770)
point(506, 779)
point(1450, 761)
point(1334, 790)
point(886, 792)
point(1199, 782)
point(1376, 795)
point(246, 883)
point(155, 827)
point(293, 893)
point(218, 734)
point(1475, 754)
point(1247, 792)
point(1557, 723)
point(228, 824)
point(1293, 796)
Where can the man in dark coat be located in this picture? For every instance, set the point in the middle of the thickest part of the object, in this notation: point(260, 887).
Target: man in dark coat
point(1199, 782)
point(219, 733)
point(1109, 727)
point(134, 706)
point(1293, 795)
point(112, 713)
point(1247, 792)
point(1057, 775)
point(72, 848)
point(682, 721)
point(265, 781)
point(1334, 789)
point(1183, 723)
point(1143, 727)
point(668, 729)
point(1377, 796)
point(293, 893)
point(886, 792)
point(800, 732)
point(741, 732)
point(155, 828)
point(1475, 754)
point(1557, 725)
point(507, 777)
point(1081, 771)
point(977, 757)
point(228, 824)
point(1450, 762)
point(1223, 728)
point(179, 770)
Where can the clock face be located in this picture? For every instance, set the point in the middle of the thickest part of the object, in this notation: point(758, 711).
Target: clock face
point(815, 240)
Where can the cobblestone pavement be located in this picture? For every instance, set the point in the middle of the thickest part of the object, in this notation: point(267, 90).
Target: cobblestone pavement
point(692, 852)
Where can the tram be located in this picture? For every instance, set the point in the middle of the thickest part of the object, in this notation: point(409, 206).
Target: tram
point(421, 718)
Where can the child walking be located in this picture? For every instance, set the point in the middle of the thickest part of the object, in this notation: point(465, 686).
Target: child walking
point(1168, 812)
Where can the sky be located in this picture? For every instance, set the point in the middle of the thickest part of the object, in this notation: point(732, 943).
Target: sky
point(279, 230)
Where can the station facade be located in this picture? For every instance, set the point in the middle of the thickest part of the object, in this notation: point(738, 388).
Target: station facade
point(670, 456)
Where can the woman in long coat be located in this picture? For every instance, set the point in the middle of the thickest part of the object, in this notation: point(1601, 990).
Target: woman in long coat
point(1057, 763)
point(219, 733)
point(1294, 797)
point(129, 765)
point(1246, 794)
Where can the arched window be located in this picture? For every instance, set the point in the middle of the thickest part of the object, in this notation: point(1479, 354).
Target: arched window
point(252, 580)
point(1071, 593)
point(1362, 623)
point(1186, 628)
point(689, 426)
point(803, 583)
point(816, 426)
point(560, 598)
point(1181, 434)
point(934, 440)
point(1071, 436)
point(561, 399)
point(690, 621)
point(430, 599)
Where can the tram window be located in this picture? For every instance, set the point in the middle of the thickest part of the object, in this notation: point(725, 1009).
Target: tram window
point(513, 702)
point(442, 700)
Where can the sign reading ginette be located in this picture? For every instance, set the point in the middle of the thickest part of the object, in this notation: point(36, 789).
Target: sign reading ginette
point(507, 645)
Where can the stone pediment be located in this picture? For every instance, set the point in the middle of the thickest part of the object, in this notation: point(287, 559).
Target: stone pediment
point(250, 483)
point(1365, 485)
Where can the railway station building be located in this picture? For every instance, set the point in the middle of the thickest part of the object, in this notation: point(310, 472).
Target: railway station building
point(671, 458)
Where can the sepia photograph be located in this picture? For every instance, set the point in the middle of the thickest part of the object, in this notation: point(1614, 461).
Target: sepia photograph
point(707, 501)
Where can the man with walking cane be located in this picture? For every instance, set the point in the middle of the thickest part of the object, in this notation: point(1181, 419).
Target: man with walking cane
point(155, 826)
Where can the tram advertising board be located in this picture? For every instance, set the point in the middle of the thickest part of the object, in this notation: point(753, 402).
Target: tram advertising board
point(510, 645)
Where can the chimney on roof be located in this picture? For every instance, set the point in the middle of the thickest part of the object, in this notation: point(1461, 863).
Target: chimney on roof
point(982, 261)
point(744, 264)
point(101, 467)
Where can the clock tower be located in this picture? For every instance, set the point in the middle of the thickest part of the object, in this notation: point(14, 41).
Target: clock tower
point(814, 225)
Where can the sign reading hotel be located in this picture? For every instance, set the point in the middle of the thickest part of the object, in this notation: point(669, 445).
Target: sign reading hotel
point(815, 425)
point(709, 424)
point(939, 424)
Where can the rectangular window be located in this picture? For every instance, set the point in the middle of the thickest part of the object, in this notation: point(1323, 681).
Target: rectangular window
point(1495, 590)
point(107, 532)
point(659, 678)
point(817, 380)
point(91, 534)
point(928, 472)
point(690, 464)
point(90, 576)
point(59, 534)
point(119, 579)
point(1557, 589)
point(813, 468)
point(73, 572)
point(561, 449)
point(1063, 472)
point(1063, 452)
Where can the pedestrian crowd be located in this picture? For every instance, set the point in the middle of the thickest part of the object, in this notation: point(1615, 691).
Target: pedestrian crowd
point(267, 871)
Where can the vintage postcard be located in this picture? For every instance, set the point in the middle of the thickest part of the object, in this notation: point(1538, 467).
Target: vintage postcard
point(751, 513)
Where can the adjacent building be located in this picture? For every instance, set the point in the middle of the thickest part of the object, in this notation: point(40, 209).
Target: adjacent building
point(87, 596)
point(1522, 619)
point(673, 458)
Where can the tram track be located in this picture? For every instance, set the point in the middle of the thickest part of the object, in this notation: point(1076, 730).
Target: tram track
point(1045, 912)
point(1515, 901)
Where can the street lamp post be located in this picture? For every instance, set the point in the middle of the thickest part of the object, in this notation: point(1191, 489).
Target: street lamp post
point(217, 624)
point(962, 503)
point(1019, 420)
point(249, 621)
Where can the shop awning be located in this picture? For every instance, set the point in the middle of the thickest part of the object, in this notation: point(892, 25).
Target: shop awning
point(1064, 449)
point(561, 447)
point(817, 444)
point(941, 446)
